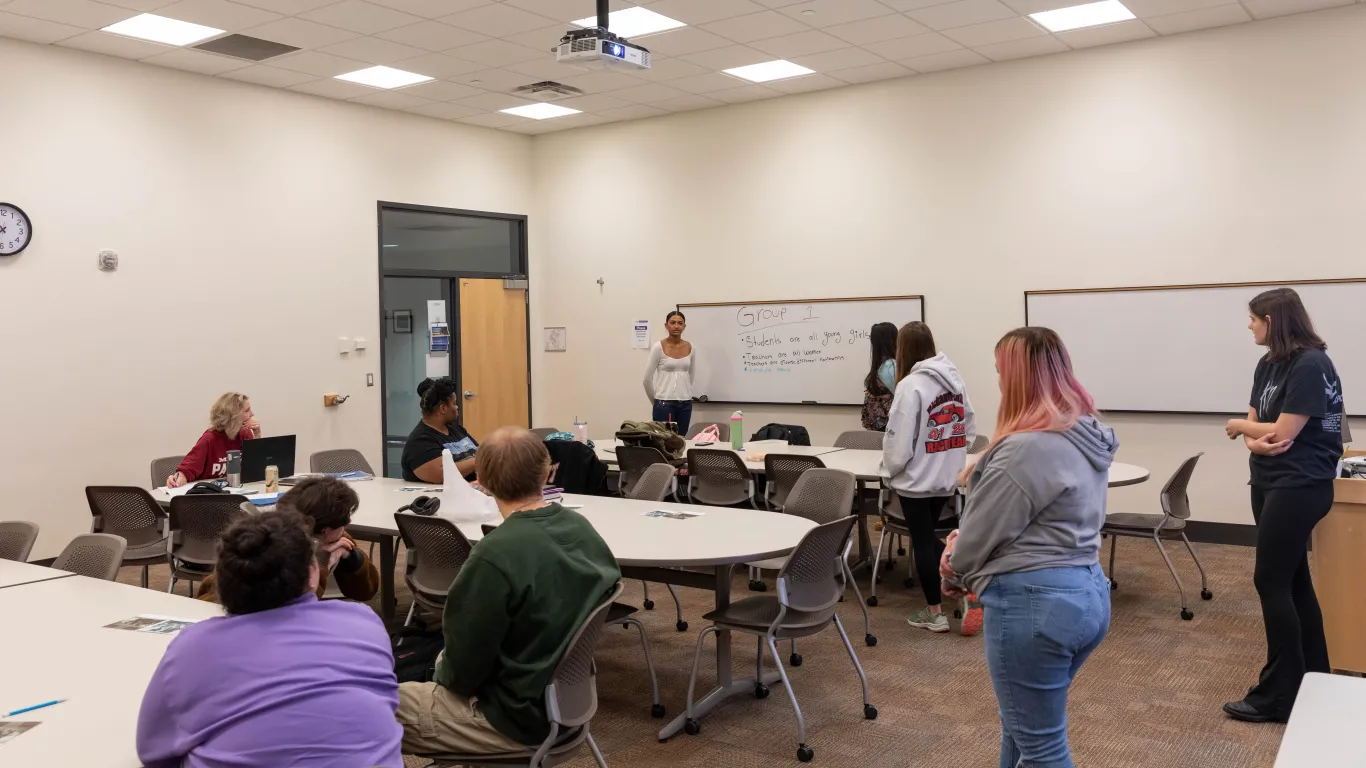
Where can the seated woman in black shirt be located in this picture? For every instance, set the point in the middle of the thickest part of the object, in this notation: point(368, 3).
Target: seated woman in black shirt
point(440, 402)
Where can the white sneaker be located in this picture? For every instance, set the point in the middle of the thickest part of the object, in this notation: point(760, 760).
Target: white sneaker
point(934, 622)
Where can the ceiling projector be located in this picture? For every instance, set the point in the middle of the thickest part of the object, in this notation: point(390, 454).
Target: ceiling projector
point(597, 48)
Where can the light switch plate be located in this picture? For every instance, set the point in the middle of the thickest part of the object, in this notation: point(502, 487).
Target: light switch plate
point(344, 345)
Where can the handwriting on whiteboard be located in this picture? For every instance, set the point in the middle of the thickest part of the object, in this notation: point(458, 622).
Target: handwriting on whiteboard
point(760, 318)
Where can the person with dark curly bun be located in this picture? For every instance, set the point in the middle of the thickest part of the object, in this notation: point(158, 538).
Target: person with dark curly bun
point(439, 400)
point(283, 678)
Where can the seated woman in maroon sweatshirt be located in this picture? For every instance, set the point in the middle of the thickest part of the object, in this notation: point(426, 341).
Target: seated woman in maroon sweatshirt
point(230, 422)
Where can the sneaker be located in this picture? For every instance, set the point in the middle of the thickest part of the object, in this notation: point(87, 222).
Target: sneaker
point(934, 622)
point(972, 615)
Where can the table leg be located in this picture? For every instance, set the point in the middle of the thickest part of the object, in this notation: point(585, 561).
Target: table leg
point(387, 556)
point(865, 544)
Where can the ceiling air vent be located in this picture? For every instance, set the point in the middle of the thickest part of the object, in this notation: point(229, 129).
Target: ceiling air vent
point(244, 47)
point(548, 90)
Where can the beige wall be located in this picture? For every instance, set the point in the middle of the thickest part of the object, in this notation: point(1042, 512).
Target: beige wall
point(1229, 155)
point(245, 221)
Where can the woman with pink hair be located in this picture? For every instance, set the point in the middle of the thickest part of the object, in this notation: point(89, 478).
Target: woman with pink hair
point(1029, 544)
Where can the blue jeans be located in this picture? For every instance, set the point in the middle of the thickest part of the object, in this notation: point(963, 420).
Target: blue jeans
point(1040, 626)
point(679, 411)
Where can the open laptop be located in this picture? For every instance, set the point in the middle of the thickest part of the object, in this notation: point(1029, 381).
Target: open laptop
point(266, 451)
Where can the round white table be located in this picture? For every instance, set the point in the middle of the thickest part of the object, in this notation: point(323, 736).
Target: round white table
point(1127, 474)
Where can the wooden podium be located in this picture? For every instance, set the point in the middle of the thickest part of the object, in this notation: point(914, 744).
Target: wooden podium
point(1339, 567)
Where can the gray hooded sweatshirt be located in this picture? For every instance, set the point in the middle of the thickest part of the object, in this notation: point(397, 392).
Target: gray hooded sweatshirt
point(929, 428)
point(1037, 500)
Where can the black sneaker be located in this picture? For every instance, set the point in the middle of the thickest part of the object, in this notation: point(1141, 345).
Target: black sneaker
point(1241, 710)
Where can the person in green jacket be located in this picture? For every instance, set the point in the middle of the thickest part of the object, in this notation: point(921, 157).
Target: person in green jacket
point(510, 613)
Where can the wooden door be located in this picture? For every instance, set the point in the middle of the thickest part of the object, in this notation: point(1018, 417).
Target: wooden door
point(493, 356)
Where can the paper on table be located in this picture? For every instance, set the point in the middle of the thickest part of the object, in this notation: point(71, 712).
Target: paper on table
point(671, 514)
point(184, 489)
point(459, 502)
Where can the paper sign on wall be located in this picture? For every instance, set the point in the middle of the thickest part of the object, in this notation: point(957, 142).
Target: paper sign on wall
point(640, 334)
point(438, 339)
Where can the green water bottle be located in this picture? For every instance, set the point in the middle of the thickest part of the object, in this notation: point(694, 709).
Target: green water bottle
point(737, 431)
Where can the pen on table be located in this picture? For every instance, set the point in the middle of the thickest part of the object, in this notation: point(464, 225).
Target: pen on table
point(35, 706)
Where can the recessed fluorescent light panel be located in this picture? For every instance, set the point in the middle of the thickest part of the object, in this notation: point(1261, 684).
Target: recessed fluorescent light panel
point(634, 22)
point(769, 70)
point(160, 29)
point(383, 77)
point(540, 111)
point(1078, 16)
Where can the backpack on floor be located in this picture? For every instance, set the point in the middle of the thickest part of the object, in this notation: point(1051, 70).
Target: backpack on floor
point(415, 652)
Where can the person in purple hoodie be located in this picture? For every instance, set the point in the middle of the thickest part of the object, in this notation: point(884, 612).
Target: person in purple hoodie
point(283, 679)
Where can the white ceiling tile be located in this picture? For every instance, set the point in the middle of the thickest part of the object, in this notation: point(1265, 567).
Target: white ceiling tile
point(497, 20)
point(300, 33)
point(359, 16)
point(373, 50)
point(114, 45)
point(755, 26)
point(601, 82)
point(1145, 8)
point(885, 71)
point(879, 29)
point(1266, 9)
point(594, 103)
point(145, 6)
point(446, 111)
point(911, 47)
point(262, 74)
point(649, 93)
point(699, 12)
point(565, 10)
point(35, 30)
point(1019, 49)
point(744, 93)
point(197, 61)
point(442, 90)
point(543, 39)
point(1122, 32)
point(544, 69)
point(220, 14)
point(633, 112)
point(670, 69)
point(493, 79)
point(497, 53)
point(992, 32)
point(800, 44)
point(1204, 18)
point(844, 58)
point(431, 36)
point(777, 3)
point(287, 7)
point(437, 65)
point(1026, 7)
point(491, 120)
point(688, 103)
point(78, 13)
point(712, 81)
point(946, 60)
point(432, 9)
point(806, 84)
point(828, 13)
point(332, 88)
point(493, 102)
point(677, 42)
point(961, 14)
point(728, 57)
point(316, 63)
point(905, 6)
point(392, 100)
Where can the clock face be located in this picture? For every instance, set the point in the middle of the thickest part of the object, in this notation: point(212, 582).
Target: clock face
point(15, 230)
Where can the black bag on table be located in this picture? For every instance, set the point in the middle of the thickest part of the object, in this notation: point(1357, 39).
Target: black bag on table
point(792, 433)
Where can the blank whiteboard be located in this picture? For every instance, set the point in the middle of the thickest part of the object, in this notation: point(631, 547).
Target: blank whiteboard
point(1187, 348)
point(790, 351)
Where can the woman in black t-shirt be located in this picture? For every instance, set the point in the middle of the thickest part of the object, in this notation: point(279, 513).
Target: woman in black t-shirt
point(440, 403)
point(1294, 430)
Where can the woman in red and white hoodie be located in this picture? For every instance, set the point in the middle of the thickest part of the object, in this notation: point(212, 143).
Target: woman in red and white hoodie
point(929, 429)
point(230, 422)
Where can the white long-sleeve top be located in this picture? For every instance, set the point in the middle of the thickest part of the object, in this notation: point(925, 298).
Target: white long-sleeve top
point(669, 378)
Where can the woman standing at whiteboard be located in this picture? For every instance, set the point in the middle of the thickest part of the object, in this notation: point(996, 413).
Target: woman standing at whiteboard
point(1294, 430)
point(669, 375)
point(880, 383)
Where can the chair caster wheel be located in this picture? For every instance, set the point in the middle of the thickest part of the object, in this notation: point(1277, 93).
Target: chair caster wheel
point(682, 626)
point(869, 712)
point(805, 753)
point(657, 710)
point(1186, 615)
point(692, 727)
point(870, 640)
point(908, 583)
point(901, 551)
point(1114, 584)
point(758, 586)
point(761, 691)
point(795, 659)
point(872, 601)
point(649, 605)
point(1205, 594)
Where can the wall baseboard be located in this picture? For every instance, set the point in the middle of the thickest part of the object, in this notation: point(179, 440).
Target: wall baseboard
point(1222, 533)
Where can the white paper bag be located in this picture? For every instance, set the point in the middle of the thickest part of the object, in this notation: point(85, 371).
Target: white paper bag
point(461, 503)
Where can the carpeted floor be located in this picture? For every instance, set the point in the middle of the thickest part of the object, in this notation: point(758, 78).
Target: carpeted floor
point(1149, 696)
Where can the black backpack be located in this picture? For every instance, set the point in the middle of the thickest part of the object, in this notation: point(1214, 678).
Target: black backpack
point(792, 433)
point(415, 659)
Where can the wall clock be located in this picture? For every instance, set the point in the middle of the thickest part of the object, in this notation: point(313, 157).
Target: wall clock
point(16, 231)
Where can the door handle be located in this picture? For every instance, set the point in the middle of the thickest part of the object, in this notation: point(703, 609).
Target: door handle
point(470, 395)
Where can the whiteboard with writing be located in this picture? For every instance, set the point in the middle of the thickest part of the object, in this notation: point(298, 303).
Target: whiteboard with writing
point(790, 351)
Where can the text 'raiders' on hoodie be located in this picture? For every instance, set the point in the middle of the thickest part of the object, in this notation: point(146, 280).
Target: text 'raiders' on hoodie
point(929, 429)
